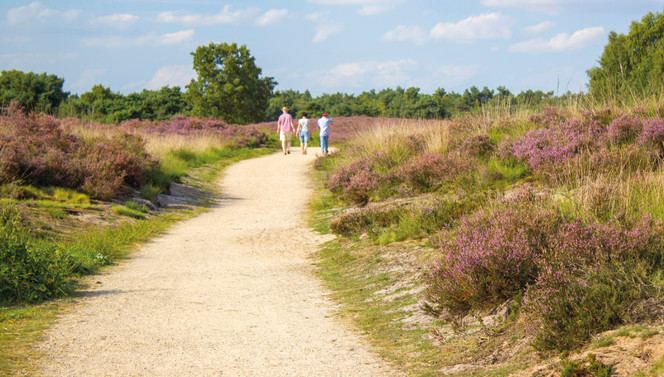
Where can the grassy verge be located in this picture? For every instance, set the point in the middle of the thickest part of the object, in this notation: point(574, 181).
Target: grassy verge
point(90, 247)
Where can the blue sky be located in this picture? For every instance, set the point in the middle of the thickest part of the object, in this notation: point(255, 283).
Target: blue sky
point(325, 46)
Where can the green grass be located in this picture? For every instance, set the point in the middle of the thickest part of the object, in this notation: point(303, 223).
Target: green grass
point(20, 329)
point(352, 273)
point(125, 211)
point(57, 214)
point(150, 191)
point(132, 204)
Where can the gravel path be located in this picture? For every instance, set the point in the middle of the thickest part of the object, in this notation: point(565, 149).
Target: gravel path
point(228, 293)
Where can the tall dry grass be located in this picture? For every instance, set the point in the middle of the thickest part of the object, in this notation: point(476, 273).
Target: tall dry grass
point(403, 139)
point(159, 145)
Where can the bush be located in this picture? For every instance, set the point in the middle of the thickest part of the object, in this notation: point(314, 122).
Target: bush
point(364, 220)
point(652, 135)
point(36, 150)
point(490, 256)
point(624, 129)
point(477, 145)
point(427, 171)
point(590, 277)
point(356, 181)
point(556, 144)
point(578, 279)
point(28, 272)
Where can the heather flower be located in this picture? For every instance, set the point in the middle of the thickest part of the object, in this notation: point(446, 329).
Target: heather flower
point(426, 171)
point(357, 180)
point(36, 149)
point(554, 145)
point(652, 134)
point(476, 145)
point(624, 128)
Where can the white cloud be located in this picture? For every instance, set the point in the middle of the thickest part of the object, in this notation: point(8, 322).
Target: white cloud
point(367, 73)
point(141, 40)
point(404, 33)
point(272, 16)
point(175, 38)
point(36, 11)
point(225, 16)
point(539, 28)
point(325, 27)
point(367, 7)
point(326, 30)
point(118, 20)
point(370, 10)
point(174, 75)
point(548, 6)
point(484, 26)
point(561, 42)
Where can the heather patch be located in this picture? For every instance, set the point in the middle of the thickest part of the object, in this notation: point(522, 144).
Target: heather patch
point(652, 135)
point(356, 181)
point(477, 145)
point(624, 129)
point(428, 171)
point(591, 279)
point(491, 255)
point(37, 151)
point(565, 267)
point(556, 144)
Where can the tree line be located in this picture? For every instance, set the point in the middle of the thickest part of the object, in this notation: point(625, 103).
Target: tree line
point(230, 86)
point(42, 92)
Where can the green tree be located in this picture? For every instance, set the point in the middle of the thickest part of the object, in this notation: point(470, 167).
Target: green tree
point(36, 92)
point(631, 64)
point(229, 84)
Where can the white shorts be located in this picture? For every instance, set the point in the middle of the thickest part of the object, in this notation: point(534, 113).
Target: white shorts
point(283, 136)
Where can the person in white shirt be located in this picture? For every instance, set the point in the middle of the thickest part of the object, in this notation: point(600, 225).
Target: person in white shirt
point(303, 132)
point(323, 126)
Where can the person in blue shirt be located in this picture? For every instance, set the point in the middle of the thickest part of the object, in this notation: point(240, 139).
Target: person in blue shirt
point(324, 132)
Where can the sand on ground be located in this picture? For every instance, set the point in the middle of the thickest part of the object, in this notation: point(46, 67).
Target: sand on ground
point(228, 293)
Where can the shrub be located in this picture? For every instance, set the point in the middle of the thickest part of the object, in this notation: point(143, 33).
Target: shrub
point(429, 170)
point(356, 181)
point(477, 145)
point(589, 278)
point(652, 134)
point(491, 255)
point(578, 278)
point(364, 220)
point(624, 129)
point(556, 144)
point(28, 272)
point(37, 150)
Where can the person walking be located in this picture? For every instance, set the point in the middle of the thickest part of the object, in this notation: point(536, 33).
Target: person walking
point(324, 132)
point(303, 132)
point(285, 130)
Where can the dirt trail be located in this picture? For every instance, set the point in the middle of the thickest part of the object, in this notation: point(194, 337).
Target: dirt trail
point(229, 293)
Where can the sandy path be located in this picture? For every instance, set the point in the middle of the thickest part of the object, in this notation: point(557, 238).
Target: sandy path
point(229, 293)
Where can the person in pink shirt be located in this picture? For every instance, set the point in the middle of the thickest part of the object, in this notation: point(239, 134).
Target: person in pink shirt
point(285, 130)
